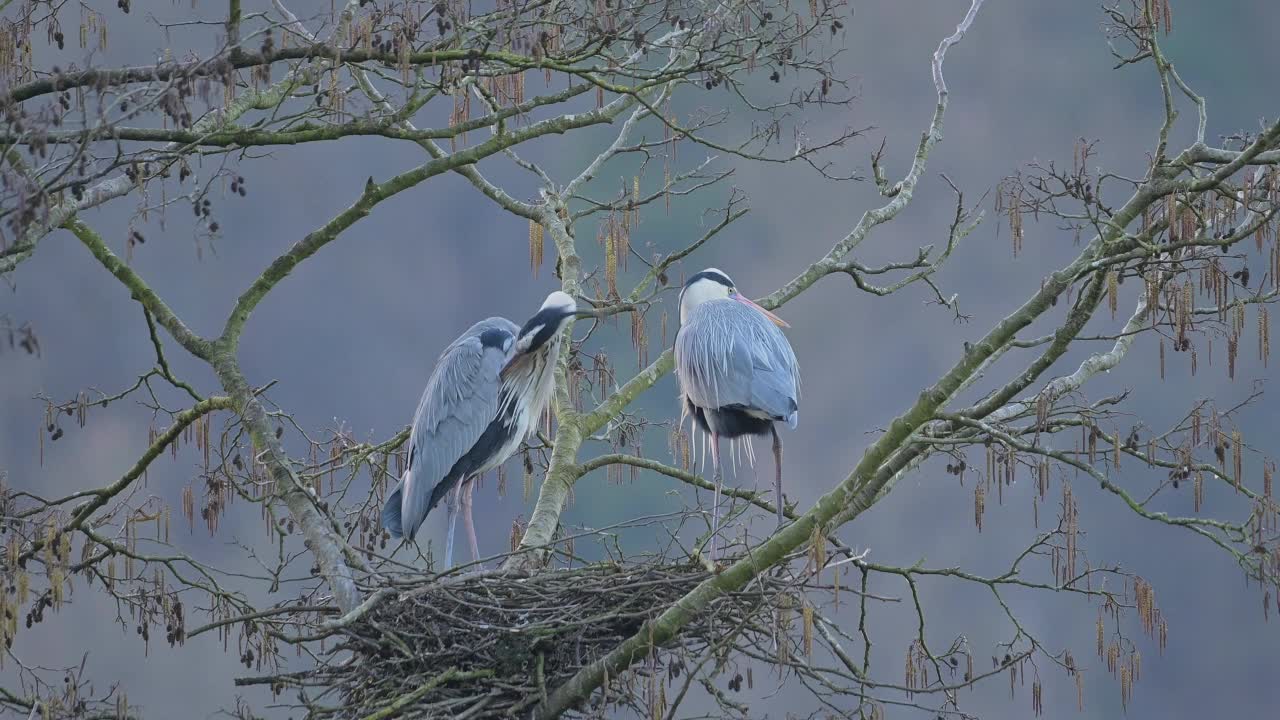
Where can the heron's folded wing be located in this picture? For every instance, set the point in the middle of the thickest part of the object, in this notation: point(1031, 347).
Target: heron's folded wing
point(459, 402)
point(775, 376)
point(728, 354)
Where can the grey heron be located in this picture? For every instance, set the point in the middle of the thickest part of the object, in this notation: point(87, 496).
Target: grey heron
point(738, 374)
point(487, 391)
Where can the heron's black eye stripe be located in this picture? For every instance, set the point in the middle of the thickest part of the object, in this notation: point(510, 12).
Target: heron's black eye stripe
point(710, 275)
point(546, 316)
point(541, 327)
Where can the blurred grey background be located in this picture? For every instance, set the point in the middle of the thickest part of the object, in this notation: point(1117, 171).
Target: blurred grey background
point(352, 335)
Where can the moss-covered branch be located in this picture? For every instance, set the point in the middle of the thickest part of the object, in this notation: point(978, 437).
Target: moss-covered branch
point(100, 497)
point(752, 496)
point(404, 701)
point(375, 193)
point(306, 132)
point(562, 472)
point(141, 292)
point(323, 539)
point(858, 490)
point(627, 394)
point(241, 60)
point(335, 558)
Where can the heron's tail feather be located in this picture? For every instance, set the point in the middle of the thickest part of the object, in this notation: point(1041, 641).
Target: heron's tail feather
point(793, 419)
point(391, 512)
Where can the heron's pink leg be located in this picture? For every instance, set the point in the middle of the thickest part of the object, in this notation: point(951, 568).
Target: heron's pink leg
point(715, 503)
point(777, 480)
point(451, 504)
point(466, 490)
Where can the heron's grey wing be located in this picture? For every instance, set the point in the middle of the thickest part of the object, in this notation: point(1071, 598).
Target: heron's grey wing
point(775, 377)
point(728, 354)
point(459, 402)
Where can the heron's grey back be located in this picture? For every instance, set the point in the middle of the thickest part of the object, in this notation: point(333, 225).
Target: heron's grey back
point(728, 354)
point(459, 402)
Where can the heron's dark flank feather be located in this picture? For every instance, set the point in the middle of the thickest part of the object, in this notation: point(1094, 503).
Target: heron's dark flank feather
point(730, 421)
point(495, 436)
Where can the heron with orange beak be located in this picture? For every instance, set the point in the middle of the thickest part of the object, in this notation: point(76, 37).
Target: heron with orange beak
point(738, 374)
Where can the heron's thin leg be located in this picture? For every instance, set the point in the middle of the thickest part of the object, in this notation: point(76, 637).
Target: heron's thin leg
point(777, 479)
point(715, 503)
point(451, 503)
point(466, 491)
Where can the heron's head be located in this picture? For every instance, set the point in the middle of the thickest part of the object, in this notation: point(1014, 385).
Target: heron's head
point(556, 310)
point(713, 284)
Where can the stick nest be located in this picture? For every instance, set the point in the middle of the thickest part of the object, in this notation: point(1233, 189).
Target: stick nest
point(488, 646)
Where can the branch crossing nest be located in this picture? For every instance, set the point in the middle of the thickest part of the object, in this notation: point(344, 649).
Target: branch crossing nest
point(494, 645)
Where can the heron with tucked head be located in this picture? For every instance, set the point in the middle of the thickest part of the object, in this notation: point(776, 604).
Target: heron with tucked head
point(486, 393)
point(738, 374)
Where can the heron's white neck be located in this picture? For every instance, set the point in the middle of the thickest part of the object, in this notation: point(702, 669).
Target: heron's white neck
point(698, 293)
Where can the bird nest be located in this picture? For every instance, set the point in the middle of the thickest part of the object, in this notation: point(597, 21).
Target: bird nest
point(496, 645)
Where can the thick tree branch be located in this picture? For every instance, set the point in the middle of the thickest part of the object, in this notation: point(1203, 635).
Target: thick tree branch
point(141, 292)
point(554, 492)
point(661, 629)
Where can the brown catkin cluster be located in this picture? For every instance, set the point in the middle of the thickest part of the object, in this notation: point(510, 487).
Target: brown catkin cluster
point(1237, 458)
point(979, 504)
point(611, 264)
point(678, 444)
point(807, 622)
point(1015, 226)
point(535, 246)
point(1071, 528)
point(527, 466)
point(818, 551)
point(1113, 292)
point(1264, 334)
point(517, 532)
point(782, 628)
point(1144, 600)
point(913, 672)
point(640, 339)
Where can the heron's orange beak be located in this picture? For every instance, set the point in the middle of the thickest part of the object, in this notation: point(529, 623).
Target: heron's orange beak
point(749, 303)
